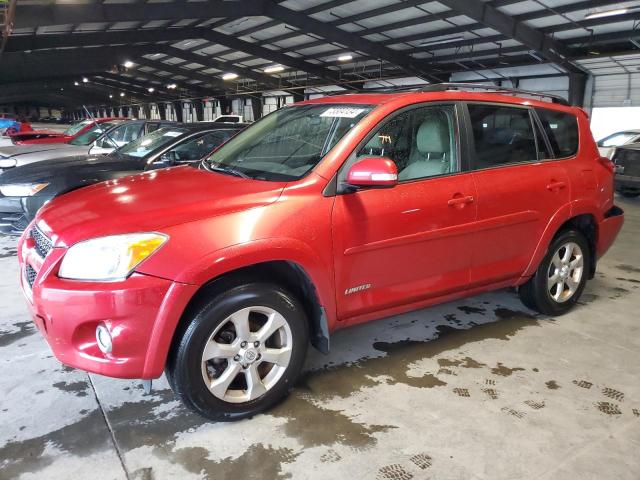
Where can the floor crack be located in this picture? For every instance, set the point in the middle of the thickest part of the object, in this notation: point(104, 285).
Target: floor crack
point(110, 428)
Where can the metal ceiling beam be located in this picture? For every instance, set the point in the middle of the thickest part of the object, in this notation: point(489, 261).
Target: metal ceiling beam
point(152, 36)
point(352, 42)
point(34, 16)
point(223, 66)
point(489, 16)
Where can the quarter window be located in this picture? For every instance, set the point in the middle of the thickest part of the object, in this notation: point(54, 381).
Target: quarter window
point(502, 135)
point(562, 130)
point(421, 142)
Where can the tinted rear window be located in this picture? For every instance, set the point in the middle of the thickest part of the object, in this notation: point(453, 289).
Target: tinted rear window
point(562, 130)
point(502, 135)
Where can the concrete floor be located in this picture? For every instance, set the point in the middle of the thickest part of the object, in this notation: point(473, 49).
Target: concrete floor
point(477, 389)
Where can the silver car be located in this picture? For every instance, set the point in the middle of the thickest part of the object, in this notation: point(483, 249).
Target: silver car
point(100, 140)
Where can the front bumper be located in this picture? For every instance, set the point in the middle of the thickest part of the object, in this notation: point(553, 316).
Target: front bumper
point(624, 183)
point(140, 312)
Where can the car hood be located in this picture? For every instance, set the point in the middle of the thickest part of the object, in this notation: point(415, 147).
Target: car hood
point(77, 166)
point(17, 150)
point(150, 201)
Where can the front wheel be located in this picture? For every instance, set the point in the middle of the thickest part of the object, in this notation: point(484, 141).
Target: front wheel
point(561, 276)
point(241, 352)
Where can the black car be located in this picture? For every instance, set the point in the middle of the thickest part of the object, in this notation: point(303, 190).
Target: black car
point(24, 189)
point(627, 168)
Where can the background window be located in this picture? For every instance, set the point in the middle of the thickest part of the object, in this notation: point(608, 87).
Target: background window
point(502, 135)
point(562, 131)
point(197, 148)
point(420, 141)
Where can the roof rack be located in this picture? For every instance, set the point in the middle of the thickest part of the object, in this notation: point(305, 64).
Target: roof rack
point(441, 87)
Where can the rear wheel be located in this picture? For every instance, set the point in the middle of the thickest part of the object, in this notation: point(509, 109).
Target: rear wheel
point(241, 352)
point(561, 276)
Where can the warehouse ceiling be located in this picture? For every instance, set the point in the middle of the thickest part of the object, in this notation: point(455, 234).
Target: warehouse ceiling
point(69, 52)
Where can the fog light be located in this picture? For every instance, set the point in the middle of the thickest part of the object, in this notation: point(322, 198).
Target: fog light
point(103, 337)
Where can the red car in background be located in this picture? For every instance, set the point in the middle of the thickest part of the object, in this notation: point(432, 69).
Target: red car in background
point(35, 137)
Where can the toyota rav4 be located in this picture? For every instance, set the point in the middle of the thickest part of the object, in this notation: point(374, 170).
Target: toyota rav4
point(319, 216)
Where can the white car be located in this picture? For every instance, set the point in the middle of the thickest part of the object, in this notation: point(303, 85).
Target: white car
point(607, 146)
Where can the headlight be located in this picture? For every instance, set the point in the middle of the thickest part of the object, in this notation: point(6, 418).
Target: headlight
point(109, 258)
point(21, 189)
point(8, 162)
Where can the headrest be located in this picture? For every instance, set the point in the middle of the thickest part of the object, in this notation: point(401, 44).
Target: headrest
point(433, 135)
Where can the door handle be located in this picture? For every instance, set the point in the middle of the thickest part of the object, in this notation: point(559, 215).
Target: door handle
point(460, 201)
point(554, 186)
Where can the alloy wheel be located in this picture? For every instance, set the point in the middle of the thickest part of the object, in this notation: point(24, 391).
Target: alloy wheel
point(565, 272)
point(247, 354)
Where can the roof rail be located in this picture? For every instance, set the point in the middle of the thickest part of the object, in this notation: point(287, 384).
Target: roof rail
point(441, 87)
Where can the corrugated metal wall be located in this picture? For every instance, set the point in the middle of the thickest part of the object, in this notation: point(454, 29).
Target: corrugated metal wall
point(621, 90)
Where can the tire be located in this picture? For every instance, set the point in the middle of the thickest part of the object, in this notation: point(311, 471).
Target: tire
point(630, 194)
point(246, 377)
point(539, 292)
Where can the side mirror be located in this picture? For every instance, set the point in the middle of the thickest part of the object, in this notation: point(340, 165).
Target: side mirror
point(373, 172)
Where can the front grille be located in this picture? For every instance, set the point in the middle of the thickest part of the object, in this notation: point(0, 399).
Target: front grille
point(42, 243)
point(30, 275)
point(628, 160)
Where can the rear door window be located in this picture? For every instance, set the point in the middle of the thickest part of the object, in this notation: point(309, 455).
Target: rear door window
point(562, 131)
point(502, 135)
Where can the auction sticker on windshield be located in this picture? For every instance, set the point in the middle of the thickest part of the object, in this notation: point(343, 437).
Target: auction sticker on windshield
point(344, 112)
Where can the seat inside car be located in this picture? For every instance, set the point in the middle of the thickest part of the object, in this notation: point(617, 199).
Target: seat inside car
point(431, 154)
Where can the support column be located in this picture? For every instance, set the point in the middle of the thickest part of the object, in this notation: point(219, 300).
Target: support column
point(577, 88)
point(177, 108)
point(256, 107)
point(199, 108)
point(225, 105)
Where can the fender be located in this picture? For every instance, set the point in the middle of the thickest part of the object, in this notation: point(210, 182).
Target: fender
point(564, 213)
point(226, 260)
point(254, 252)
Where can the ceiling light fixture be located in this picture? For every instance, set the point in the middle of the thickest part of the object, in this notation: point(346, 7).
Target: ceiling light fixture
point(128, 64)
point(150, 89)
point(229, 76)
point(274, 69)
point(610, 13)
point(172, 86)
point(441, 41)
point(85, 79)
point(110, 96)
point(76, 84)
point(345, 58)
point(122, 94)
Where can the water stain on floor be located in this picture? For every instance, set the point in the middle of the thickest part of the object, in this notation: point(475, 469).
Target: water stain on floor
point(84, 437)
point(257, 463)
point(25, 329)
point(331, 426)
point(79, 388)
point(505, 371)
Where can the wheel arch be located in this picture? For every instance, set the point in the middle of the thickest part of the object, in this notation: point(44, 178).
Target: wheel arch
point(285, 273)
point(577, 217)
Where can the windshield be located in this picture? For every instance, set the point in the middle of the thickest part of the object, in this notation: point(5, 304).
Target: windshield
point(88, 137)
point(617, 139)
point(286, 144)
point(76, 127)
point(145, 145)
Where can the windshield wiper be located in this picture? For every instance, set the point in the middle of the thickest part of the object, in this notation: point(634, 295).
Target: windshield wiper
point(227, 170)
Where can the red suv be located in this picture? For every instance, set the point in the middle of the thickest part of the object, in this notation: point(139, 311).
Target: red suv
point(321, 215)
